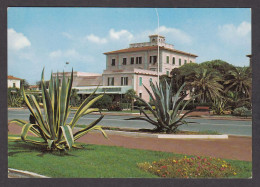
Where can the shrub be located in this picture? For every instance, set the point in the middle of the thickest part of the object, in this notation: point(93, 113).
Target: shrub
point(194, 167)
point(115, 106)
point(220, 106)
point(104, 102)
point(14, 97)
point(51, 126)
point(240, 111)
point(125, 105)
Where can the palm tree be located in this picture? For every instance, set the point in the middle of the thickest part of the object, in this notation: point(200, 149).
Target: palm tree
point(130, 95)
point(206, 84)
point(240, 81)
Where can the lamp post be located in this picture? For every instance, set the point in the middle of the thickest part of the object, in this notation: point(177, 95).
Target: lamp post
point(158, 61)
point(65, 65)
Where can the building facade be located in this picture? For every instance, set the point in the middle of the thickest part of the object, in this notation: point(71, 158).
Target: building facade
point(137, 65)
point(132, 68)
point(13, 82)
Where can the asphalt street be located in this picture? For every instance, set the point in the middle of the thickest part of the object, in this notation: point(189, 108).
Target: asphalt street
point(231, 127)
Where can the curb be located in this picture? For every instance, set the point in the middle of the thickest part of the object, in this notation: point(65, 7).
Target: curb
point(167, 136)
point(15, 173)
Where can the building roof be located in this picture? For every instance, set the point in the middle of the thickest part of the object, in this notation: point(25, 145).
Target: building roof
point(12, 77)
point(77, 73)
point(34, 86)
point(147, 48)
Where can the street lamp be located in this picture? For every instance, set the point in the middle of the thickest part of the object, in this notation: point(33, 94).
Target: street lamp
point(158, 61)
point(67, 63)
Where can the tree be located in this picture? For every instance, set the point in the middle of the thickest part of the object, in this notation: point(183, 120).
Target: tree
point(206, 84)
point(130, 95)
point(38, 83)
point(240, 81)
point(25, 84)
point(104, 102)
point(218, 65)
point(74, 98)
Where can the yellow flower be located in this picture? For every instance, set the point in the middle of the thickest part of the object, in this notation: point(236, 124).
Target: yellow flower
point(158, 170)
point(174, 161)
point(235, 173)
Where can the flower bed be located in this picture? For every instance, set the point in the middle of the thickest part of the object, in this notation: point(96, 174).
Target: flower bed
point(194, 167)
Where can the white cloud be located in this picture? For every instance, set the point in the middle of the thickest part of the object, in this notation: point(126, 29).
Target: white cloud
point(70, 55)
point(235, 34)
point(67, 35)
point(174, 34)
point(55, 54)
point(17, 41)
point(96, 39)
point(120, 34)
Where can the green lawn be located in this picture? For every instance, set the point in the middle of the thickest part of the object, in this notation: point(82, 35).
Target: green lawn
point(94, 161)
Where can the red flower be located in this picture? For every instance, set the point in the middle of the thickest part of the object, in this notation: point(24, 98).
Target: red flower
point(163, 167)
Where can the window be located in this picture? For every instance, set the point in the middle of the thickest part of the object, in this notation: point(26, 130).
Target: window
point(140, 81)
point(138, 60)
point(167, 73)
point(124, 81)
point(113, 62)
point(140, 95)
point(167, 59)
point(190, 61)
point(173, 60)
point(151, 80)
point(124, 61)
point(14, 85)
point(110, 81)
point(132, 60)
point(185, 61)
point(179, 62)
point(153, 59)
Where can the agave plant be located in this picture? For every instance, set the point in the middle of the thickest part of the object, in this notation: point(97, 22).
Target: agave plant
point(220, 106)
point(52, 127)
point(168, 108)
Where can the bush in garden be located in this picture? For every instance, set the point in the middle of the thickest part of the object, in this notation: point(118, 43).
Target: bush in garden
point(52, 126)
point(104, 102)
point(194, 167)
point(220, 106)
point(115, 106)
point(240, 111)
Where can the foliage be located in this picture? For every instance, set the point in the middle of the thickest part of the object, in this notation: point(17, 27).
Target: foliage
point(104, 102)
point(130, 95)
point(234, 101)
point(206, 84)
point(52, 126)
point(15, 98)
point(115, 106)
point(24, 84)
point(220, 106)
point(241, 111)
point(167, 114)
point(240, 81)
point(39, 84)
point(74, 99)
point(220, 66)
point(194, 167)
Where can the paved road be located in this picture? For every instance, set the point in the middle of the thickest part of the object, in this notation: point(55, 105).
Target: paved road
point(231, 127)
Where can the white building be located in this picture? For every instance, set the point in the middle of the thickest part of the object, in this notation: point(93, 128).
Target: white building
point(13, 82)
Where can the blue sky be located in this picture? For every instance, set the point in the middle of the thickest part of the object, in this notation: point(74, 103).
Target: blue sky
point(49, 37)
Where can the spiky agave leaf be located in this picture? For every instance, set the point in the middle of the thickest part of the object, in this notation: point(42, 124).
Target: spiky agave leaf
point(56, 102)
point(167, 115)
